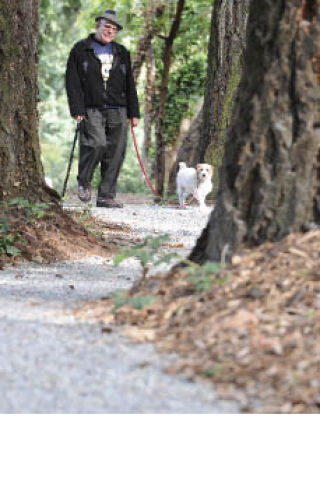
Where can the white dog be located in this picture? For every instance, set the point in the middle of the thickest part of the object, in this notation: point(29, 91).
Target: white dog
point(194, 181)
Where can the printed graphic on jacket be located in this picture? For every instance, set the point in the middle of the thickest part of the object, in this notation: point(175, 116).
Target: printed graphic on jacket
point(106, 60)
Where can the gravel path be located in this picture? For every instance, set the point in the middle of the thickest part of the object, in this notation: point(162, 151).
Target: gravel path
point(52, 363)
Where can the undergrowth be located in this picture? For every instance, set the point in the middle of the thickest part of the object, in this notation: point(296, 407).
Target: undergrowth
point(201, 277)
point(9, 237)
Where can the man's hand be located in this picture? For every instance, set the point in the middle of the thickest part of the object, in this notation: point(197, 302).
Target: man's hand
point(78, 118)
point(134, 122)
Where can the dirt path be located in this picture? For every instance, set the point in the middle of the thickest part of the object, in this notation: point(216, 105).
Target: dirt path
point(52, 363)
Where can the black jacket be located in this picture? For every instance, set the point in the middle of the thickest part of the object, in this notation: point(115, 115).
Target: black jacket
point(84, 82)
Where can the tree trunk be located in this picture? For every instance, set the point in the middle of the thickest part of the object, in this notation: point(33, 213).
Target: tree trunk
point(153, 13)
point(187, 151)
point(167, 54)
point(21, 173)
point(148, 103)
point(226, 45)
point(269, 181)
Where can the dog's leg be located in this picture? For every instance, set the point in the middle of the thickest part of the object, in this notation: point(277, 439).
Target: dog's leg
point(201, 201)
point(181, 198)
point(203, 207)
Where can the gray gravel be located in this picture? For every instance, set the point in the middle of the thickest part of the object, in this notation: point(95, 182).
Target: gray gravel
point(51, 362)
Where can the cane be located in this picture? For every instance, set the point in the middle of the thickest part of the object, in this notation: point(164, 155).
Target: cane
point(70, 160)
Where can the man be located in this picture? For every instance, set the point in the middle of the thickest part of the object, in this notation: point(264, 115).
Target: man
point(102, 96)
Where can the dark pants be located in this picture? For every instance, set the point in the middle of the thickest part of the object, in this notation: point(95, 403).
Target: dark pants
point(103, 138)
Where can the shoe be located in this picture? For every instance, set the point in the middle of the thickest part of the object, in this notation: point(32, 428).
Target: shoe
point(84, 193)
point(110, 203)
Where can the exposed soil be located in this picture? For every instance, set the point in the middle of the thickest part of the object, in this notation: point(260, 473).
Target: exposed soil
point(61, 235)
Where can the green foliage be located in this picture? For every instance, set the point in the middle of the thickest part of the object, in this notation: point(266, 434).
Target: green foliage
point(215, 372)
point(203, 276)
point(7, 239)
point(38, 210)
point(144, 251)
point(4, 225)
point(59, 29)
point(57, 22)
point(185, 88)
point(200, 276)
point(147, 253)
point(64, 22)
point(188, 68)
point(120, 299)
point(7, 244)
point(86, 212)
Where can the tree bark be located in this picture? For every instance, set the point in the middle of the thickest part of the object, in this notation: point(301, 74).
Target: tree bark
point(153, 13)
point(226, 45)
point(21, 172)
point(269, 180)
point(148, 103)
point(167, 55)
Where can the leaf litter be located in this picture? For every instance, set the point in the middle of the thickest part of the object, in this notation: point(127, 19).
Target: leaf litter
point(256, 336)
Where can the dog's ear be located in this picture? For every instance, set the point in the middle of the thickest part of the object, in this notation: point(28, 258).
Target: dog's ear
point(198, 167)
point(211, 170)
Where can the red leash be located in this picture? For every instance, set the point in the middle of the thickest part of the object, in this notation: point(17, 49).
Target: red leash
point(144, 170)
point(142, 166)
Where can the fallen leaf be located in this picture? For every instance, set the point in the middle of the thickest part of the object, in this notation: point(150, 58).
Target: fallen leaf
point(139, 335)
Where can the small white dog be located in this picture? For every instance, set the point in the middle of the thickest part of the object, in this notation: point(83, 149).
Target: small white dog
point(194, 181)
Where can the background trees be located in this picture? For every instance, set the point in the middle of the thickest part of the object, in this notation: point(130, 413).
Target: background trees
point(147, 25)
point(224, 66)
point(269, 181)
point(59, 26)
point(225, 51)
point(166, 61)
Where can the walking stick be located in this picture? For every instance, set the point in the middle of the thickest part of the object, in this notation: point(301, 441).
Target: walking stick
point(70, 160)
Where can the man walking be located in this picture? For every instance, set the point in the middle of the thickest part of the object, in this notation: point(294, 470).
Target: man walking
point(102, 96)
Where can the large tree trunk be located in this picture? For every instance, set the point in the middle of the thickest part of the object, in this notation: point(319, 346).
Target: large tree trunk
point(21, 173)
point(268, 183)
point(167, 54)
point(226, 45)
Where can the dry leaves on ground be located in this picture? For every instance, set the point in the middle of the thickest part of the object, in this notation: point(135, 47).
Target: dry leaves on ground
point(256, 337)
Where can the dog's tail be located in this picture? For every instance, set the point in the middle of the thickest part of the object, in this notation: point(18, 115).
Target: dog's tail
point(182, 165)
